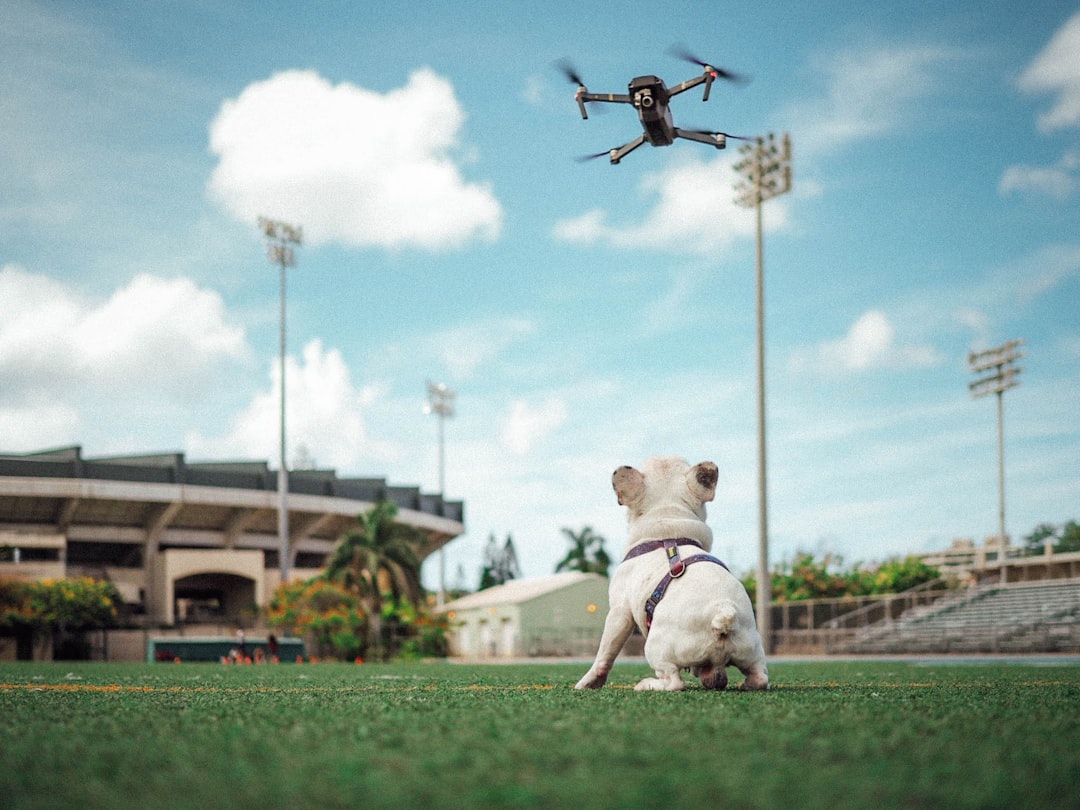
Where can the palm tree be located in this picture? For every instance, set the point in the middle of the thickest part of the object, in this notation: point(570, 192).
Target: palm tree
point(578, 558)
point(378, 560)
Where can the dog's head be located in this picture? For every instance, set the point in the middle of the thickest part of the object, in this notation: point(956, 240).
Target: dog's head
point(667, 490)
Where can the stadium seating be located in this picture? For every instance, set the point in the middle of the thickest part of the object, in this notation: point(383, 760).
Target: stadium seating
point(1025, 617)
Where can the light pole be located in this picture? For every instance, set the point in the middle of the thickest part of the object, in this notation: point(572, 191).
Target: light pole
point(280, 239)
point(441, 403)
point(766, 173)
point(998, 376)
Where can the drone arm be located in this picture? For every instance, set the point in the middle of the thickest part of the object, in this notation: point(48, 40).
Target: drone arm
point(626, 149)
point(706, 77)
point(618, 98)
point(717, 139)
point(584, 95)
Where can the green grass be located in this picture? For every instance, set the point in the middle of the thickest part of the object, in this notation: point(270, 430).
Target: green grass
point(828, 735)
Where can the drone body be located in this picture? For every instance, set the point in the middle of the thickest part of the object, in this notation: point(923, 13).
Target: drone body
point(651, 98)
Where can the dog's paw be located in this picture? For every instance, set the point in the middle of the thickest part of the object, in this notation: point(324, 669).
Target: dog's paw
point(754, 684)
point(669, 684)
point(650, 685)
point(592, 680)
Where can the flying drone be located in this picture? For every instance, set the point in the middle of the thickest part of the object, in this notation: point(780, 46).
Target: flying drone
point(651, 97)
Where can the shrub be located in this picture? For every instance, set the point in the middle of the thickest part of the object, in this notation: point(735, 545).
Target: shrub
point(71, 604)
point(325, 609)
point(807, 578)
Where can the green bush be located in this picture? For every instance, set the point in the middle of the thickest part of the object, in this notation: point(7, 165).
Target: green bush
point(325, 609)
point(807, 578)
point(71, 604)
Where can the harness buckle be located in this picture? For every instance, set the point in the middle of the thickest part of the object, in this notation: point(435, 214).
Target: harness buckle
point(676, 566)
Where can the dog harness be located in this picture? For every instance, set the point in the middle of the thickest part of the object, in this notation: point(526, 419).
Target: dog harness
point(676, 567)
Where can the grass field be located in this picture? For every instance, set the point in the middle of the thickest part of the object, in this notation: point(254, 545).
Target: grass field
point(441, 735)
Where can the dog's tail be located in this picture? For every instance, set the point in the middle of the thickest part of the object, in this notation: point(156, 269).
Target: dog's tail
point(725, 614)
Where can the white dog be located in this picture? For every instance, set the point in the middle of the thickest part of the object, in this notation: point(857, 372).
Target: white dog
point(694, 612)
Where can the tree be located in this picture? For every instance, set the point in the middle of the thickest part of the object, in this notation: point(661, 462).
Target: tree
point(807, 578)
point(332, 614)
point(30, 609)
point(378, 563)
point(1036, 541)
point(893, 576)
point(1070, 538)
point(1066, 537)
point(500, 565)
point(49, 604)
point(586, 553)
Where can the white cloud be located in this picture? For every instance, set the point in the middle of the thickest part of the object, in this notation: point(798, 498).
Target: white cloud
point(526, 425)
point(1056, 70)
point(38, 423)
point(75, 368)
point(1057, 182)
point(975, 320)
point(349, 164)
point(588, 227)
point(465, 349)
point(155, 332)
point(870, 343)
point(535, 90)
point(869, 92)
point(693, 212)
point(1047, 269)
point(1027, 279)
point(324, 415)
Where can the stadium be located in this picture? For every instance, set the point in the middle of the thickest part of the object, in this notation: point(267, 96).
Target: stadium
point(187, 543)
point(193, 549)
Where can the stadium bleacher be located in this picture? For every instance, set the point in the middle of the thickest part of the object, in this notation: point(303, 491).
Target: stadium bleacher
point(1024, 617)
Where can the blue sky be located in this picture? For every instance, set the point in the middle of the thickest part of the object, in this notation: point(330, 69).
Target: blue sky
point(587, 315)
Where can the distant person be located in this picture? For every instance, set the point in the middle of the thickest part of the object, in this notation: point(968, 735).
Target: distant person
point(271, 642)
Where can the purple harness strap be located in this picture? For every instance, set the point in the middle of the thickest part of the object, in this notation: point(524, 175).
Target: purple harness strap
point(653, 545)
point(676, 567)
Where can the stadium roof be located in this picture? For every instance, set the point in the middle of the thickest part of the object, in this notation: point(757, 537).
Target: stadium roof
point(62, 490)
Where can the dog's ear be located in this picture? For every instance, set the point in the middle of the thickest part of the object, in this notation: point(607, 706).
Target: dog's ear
point(628, 484)
point(701, 479)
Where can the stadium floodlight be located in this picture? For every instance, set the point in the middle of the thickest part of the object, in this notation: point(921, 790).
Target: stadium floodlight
point(280, 238)
point(441, 403)
point(996, 375)
point(766, 173)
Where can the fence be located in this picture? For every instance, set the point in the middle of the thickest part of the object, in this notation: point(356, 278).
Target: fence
point(822, 626)
point(1024, 617)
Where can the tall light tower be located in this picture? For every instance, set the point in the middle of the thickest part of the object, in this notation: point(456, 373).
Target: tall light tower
point(280, 239)
point(766, 173)
point(998, 375)
point(441, 403)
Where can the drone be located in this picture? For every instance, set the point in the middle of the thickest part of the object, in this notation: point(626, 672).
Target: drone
point(651, 97)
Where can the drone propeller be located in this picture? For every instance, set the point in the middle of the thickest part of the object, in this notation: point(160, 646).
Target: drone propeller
point(568, 70)
point(682, 52)
point(594, 156)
